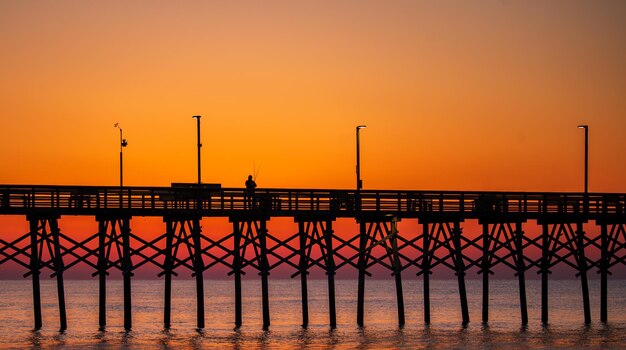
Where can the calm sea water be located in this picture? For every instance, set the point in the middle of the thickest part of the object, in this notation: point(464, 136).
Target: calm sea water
point(566, 328)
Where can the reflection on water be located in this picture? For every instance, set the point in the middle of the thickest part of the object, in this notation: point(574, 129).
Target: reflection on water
point(566, 328)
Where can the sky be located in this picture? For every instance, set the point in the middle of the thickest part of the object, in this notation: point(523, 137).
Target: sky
point(456, 95)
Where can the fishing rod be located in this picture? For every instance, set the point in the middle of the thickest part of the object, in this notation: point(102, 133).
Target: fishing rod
point(255, 171)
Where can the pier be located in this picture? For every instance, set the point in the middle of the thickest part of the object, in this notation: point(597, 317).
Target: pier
point(436, 240)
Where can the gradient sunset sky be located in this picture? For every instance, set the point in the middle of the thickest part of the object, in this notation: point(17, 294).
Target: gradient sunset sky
point(456, 95)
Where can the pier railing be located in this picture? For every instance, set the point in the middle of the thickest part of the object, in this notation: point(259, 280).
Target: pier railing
point(148, 201)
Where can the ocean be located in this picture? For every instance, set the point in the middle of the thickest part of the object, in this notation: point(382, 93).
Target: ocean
point(566, 329)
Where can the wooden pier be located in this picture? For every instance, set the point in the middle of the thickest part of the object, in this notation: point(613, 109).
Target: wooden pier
point(437, 239)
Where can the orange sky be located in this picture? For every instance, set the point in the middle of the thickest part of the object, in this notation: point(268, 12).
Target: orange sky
point(457, 95)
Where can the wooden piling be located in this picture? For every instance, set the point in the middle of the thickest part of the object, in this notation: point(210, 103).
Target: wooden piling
point(167, 305)
point(127, 273)
point(399, 298)
point(330, 272)
point(199, 268)
point(265, 300)
point(102, 270)
point(34, 269)
point(397, 267)
point(332, 309)
point(305, 299)
point(521, 267)
point(264, 271)
point(237, 271)
point(59, 267)
point(582, 266)
point(545, 251)
point(485, 272)
point(426, 273)
point(604, 262)
point(361, 267)
point(303, 267)
point(460, 271)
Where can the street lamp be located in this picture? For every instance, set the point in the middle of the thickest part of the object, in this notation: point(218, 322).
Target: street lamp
point(586, 127)
point(123, 144)
point(359, 183)
point(199, 146)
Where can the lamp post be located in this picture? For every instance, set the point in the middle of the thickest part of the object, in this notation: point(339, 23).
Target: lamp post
point(586, 127)
point(123, 144)
point(199, 147)
point(586, 195)
point(359, 183)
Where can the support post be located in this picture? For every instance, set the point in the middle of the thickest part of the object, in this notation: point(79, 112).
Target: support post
point(426, 273)
point(397, 267)
point(167, 307)
point(545, 251)
point(363, 237)
point(34, 268)
point(582, 265)
point(485, 272)
point(199, 267)
point(303, 273)
point(604, 263)
point(264, 271)
point(330, 268)
point(127, 274)
point(102, 271)
point(520, 272)
point(59, 267)
point(460, 271)
point(237, 271)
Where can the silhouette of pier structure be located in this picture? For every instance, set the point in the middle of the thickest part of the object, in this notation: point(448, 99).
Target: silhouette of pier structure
point(436, 240)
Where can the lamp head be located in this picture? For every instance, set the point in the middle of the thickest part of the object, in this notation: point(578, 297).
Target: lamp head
point(197, 116)
point(583, 126)
point(360, 126)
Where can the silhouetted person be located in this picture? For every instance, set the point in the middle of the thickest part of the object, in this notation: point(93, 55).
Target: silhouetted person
point(250, 186)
